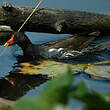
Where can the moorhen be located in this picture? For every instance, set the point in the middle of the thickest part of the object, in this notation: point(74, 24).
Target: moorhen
point(59, 49)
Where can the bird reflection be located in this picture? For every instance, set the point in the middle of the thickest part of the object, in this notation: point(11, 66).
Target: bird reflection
point(15, 85)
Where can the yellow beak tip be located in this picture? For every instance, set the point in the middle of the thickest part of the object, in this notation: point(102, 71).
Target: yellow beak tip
point(6, 44)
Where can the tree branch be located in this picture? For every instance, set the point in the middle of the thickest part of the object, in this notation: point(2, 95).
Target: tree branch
point(53, 20)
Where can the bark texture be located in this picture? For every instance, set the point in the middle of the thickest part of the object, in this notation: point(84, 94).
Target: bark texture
point(53, 20)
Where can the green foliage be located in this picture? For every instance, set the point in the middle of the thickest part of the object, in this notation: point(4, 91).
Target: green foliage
point(93, 99)
point(6, 108)
point(57, 93)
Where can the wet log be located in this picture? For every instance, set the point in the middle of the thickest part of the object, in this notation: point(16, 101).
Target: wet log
point(56, 21)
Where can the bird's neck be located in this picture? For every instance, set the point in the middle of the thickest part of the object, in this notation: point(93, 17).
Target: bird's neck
point(28, 49)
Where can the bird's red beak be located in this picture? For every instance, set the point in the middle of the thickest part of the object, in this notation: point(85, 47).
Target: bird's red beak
point(10, 41)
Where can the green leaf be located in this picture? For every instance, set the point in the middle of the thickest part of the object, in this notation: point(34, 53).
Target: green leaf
point(5, 108)
point(81, 89)
point(99, 70)
point(57, 91)
point(60, 107)
point(93, 99)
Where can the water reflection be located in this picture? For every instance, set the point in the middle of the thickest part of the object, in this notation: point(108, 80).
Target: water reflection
point(14, 86)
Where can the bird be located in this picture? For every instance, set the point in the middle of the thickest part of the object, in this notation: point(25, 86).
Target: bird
point(59, 49)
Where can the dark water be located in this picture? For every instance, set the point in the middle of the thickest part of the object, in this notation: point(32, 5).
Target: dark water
point(8, 59)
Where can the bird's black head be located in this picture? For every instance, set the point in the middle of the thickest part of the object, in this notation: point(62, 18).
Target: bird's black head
point(18, 38)
point(29, 50)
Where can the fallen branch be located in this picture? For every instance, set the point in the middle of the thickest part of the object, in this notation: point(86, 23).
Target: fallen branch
point(53, 20)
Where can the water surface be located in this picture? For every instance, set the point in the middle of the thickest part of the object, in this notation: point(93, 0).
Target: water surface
point(100, 6)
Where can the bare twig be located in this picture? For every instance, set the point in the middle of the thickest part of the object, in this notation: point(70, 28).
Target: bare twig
point(30, 15)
